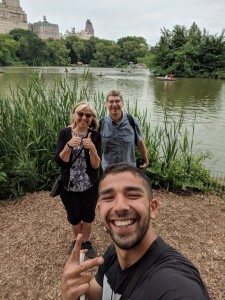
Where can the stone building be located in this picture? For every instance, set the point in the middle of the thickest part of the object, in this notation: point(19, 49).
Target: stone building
point(45, 30)
point(12, 16)
point(83, 34)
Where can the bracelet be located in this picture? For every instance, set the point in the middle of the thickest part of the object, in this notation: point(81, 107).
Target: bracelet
point(69, 146)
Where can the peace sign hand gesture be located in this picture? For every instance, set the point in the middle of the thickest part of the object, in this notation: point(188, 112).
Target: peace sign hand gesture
point(74, 281)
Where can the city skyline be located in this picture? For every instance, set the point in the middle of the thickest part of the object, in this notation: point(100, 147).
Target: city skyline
point(116, 19)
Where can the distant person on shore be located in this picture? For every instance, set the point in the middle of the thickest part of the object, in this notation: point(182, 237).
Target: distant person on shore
point(78, 153)
point(120, 132)
point(138, 265)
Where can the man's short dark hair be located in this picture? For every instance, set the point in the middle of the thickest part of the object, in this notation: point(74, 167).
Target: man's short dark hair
point(125, 167)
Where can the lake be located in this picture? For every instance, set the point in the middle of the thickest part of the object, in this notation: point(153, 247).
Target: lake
point(203, 99)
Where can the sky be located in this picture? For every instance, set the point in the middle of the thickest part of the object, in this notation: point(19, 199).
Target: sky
point(114, 19)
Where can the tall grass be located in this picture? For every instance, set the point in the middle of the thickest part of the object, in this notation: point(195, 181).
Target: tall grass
point(30, 121)
point(173, 162)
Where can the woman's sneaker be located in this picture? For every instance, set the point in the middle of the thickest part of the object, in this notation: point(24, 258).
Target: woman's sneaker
point(91, 251)
point(71, 247)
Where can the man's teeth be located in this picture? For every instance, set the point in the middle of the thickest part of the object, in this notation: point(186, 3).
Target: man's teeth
point(122, 223)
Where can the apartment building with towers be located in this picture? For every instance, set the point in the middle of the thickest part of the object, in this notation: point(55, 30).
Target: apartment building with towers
point(85, 34)
point(45, 30)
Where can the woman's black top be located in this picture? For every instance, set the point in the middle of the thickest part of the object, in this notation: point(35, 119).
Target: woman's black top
point(64, 136)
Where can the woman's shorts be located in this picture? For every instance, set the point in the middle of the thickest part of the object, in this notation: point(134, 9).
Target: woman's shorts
point(80, 206)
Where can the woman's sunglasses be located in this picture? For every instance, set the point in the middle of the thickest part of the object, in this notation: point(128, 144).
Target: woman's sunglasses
point(80, 115)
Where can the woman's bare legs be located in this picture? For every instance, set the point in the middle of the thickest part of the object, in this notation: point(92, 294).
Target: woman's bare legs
point(85, 229)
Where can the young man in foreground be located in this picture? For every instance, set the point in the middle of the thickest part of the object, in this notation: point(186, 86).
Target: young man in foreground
point(126, 207)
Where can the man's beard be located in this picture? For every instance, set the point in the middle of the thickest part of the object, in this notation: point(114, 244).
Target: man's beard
point(129, 241)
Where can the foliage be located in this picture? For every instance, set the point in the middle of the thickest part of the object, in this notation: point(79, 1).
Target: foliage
point(188, 53)
point(8, 50)
point(79, 51)
point(185, 52)
point(57, 53)
point(173, 163)
point(3, 175)
point(132, 48)
point(32, 50)
point(29, 49)
point(106, 54)
point(30, 123)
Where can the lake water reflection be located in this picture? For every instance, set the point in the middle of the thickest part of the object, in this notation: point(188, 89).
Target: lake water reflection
point(203, 98)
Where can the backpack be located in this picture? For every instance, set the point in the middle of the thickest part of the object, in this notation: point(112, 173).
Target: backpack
point(131, 121)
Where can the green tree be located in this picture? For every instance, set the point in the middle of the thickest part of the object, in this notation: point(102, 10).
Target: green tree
point(159, 57)
point(178, 37)
point(71, 45)
point(80, 50)
point(189, 53)
point(212, 55)
point(32, 50)
point(58, 54)
point(106, 54)
point(90, 49)
point(132, 48)
point(8, 50)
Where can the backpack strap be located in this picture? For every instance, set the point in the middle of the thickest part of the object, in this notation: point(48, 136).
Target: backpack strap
point(101, 123)
point(132, 123)
point(159, 247)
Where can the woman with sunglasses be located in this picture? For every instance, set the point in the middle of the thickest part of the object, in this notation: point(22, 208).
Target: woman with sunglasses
point(78, 153)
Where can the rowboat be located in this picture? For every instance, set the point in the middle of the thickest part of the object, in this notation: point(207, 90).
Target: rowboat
point(100, 74)
point(166, 78)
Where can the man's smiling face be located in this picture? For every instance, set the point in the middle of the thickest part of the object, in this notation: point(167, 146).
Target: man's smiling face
point(114, 104)
point(125, 208)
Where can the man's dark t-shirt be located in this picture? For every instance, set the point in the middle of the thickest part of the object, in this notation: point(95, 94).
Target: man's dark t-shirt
point(171, 277)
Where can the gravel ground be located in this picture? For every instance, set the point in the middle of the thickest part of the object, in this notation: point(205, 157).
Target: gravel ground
point(36, 237)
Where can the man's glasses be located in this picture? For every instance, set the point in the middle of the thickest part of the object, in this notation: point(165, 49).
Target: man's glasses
point(117, 101)
point(80, 115)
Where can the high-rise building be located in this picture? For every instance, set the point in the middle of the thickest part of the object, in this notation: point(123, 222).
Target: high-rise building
point(12, 16)
point(83, 34)
point(89, 27)
point(45, 30)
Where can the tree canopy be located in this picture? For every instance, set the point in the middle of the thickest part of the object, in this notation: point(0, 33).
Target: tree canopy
point(188, 53)
point(182, 51)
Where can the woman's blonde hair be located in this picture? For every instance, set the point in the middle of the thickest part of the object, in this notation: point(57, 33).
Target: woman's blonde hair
point(84, 104)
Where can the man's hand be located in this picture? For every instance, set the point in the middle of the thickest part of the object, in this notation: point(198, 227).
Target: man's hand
point(75, 282)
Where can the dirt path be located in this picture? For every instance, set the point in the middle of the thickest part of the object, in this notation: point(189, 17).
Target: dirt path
point(36, 236)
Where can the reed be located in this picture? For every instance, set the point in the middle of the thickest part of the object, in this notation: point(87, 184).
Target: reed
point(30, 121)
point(173, 163)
